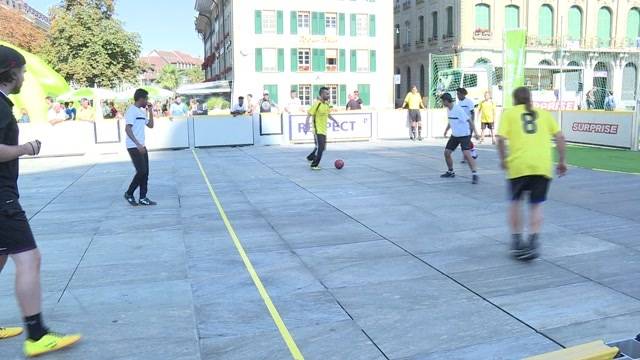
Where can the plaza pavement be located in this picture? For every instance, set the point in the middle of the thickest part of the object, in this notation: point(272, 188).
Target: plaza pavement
point(382, 259)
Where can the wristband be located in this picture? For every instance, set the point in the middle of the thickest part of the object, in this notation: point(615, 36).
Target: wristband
point(32, 149)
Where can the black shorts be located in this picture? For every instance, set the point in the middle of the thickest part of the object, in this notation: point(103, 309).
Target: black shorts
point(16, 236)
point(414, 115)
point(463, 141)
point(487, 126)
point(536, 185)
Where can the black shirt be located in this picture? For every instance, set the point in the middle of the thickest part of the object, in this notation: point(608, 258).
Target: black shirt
point(354, 105)
point(8, 136)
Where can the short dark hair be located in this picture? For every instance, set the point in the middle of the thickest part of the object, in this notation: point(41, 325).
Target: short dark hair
point(463, 91)
point(249, 95)
point(323, 89)
point(446, 97)
point(241, 98)
point(139, 94)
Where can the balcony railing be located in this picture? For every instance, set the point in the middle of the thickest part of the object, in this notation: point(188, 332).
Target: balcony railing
point(482, 34)
point(447, 37)
point(420, 43)
point(433, 40)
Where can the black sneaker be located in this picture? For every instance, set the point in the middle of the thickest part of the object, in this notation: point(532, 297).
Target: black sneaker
point(531, 252)
point(474, 179)
point(419, 138)
point(518, 249)
point(448, 174)
point(147, 202)
point(130, 199)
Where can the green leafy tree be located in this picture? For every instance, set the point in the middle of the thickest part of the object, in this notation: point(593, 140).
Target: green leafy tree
point(169, 77)
point(89, 47)
point(194, 75)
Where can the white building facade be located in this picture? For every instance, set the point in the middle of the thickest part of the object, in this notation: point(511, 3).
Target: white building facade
point(280, 46)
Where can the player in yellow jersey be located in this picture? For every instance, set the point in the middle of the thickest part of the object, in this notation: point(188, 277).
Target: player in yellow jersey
point(320, 112)
point(413, 102)
point(525, 150)
point(487, 109)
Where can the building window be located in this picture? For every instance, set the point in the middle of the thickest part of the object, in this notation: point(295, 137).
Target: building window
point(397, 36)
point(407, 41)
point(304, 92)
point(483, 17)
point(331, 60)
point(331, 24)
point(512, 17)
point(304, 59)
point(362, 25)
point(575, 23)
point(333, 94)
point(421, 29)
point(633, 27)
point(304, 22)
point(604, 27)
point(450, 21)
point(269, 60)
point(269, 22)
point(362, 60)
point(434, 24)
point(545, 24)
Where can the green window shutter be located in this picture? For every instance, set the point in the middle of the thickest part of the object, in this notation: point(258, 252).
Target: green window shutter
point(294, 88)
point(633, 25)
point(365, 93)
point(604, 26)
point(273, 92)
point(294, 60)
point(280, 22)
point(322, 25)
point(372, 25)
point(512, 17)
point(354, 61)
point(343, 95)
point(258, 22)
point(483, 17)
point(575, 23)
point(341, 24)
point(280, 60)
point(372, 61)
point(294, 23)
point(545, 23)
point(342, 60)
point(315, 19)
point(354, 31)
point(258, 60)
point(316, 92)
point(322, 59)
point(314, 59)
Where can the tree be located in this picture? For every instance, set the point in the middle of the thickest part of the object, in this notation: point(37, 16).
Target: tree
point(169, 77)
point(17, 30)
point(194, 75)
point(89, 47)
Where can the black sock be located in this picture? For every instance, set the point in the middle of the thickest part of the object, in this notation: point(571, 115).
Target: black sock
point(35, 327)
point(450, 170)
point(533, 238)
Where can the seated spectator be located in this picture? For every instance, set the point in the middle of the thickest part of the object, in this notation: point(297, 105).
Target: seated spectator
point(86, 112)
point(24, 119)
point(56, 115)
point(70, 110)
point(239, 108)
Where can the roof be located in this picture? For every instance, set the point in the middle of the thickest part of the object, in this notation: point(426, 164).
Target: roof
point(157, 59)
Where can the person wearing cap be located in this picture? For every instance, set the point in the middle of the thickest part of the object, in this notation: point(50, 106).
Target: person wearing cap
point(461, 130)
point(265, 103)
point(16, 239)
point(86, 111)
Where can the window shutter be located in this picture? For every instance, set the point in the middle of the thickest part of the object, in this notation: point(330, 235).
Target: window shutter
point(372, 61)
point(294, 23)
point(322, 25)
point(341, 24)
point(354, 61)
point(343, 95)
point(365, 93)
point(294, 60)
point(314, 23)
point(314, 60)
point(258, 60)
point(280, 22)
point(372, 25)
point(316, 92)
point(294, 88)
point(258, 22)
point(354, 31)
point(280, 60)
point(322, 60)
point(342, 60)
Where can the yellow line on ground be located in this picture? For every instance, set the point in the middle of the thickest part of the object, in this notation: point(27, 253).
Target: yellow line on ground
point(275, 315)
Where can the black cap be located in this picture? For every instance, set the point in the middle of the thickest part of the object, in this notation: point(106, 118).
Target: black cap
point(10, 59)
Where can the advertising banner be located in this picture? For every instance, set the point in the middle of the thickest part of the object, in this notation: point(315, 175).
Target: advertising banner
point(515, 44)
point(352, 126)
point(604, 128)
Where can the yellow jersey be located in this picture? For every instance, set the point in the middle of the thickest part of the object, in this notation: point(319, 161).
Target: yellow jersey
point(529, 146)
point(414, 101)
point(88, 114)
point(320, 112)
point(487, 110)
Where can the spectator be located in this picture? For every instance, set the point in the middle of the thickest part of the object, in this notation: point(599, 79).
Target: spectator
point(294, 105)
point(70, 110)
point(355, 103)
point(610, 102)
point(239, 108)
point(199, 108)
point(193, 106)
point(24, 119)
point(56, 115)
point(49, 101)
point(165, 108)
point(356, 97)
point(112, 109)
point(266, 104)
point(591, 99)
point(251, 108)
point(86, 111)
point(178, 108)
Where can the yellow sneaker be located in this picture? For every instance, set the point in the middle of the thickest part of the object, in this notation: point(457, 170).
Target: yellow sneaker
point(48, 343)
point(9, 332)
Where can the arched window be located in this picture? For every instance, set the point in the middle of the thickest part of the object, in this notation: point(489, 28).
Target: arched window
point(604, 27)
point(575, 23)
point(408, 78)
point(483, 17)
point(398, 89)
point(629, 82)
point(633, 26)
point(545, 24)
point(511, 17)
point(572, 78)
point(422, 83)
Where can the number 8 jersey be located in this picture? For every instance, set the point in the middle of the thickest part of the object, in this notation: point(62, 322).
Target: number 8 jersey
point(529, 145)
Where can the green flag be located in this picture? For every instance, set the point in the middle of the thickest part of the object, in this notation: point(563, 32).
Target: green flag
point(515, 45)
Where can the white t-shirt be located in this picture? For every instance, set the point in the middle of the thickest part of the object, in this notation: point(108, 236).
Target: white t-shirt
point(467, 105)
point(239, 108)
point(137, 118)
point(178, 109)
point(53, 115)
point(459, 121)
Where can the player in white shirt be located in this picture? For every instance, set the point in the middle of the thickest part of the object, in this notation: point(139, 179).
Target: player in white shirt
point(469, 108)
point(461, 130)
point(137, 117)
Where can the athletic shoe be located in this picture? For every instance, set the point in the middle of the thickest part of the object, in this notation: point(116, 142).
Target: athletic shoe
point(518, 249)
point(474, 179)
point(419, 138)
point(448, 174)
point(147, 202)
point(531, 252)
point(48, 343)
point(130, 199)
point(9, 332)
point(317, 167)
